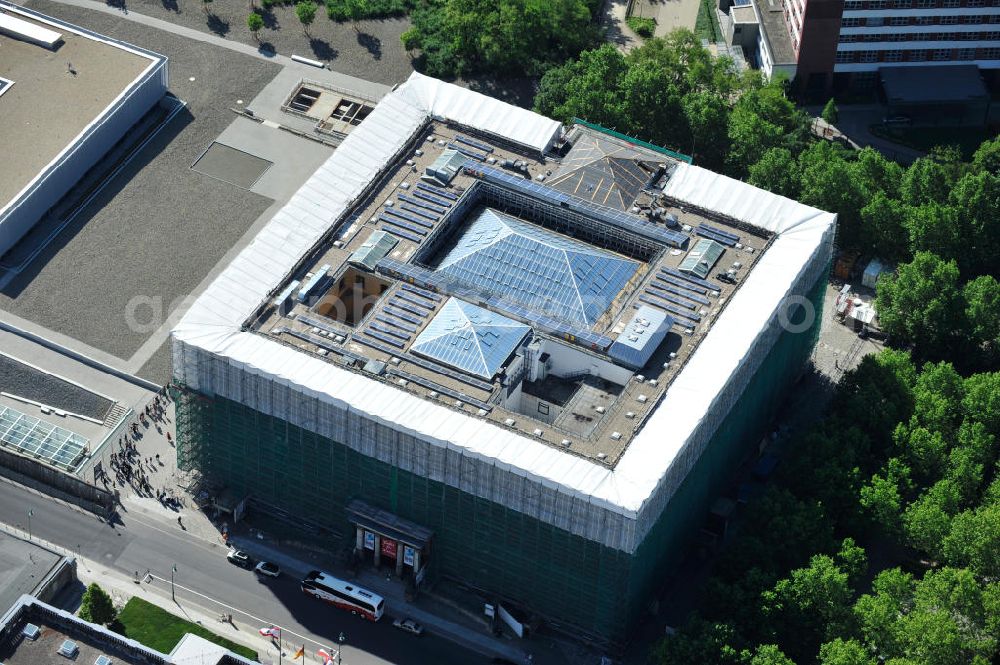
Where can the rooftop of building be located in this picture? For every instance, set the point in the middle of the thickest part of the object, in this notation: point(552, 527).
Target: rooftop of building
point(453, 291)
point(772, 21)
point(54, 94)
point(625, 433)
point(25, 565)
point(35, 633)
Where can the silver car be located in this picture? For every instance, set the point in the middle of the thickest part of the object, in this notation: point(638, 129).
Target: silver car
point(409, 625)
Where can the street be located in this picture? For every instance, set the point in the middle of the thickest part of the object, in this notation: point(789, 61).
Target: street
point(208, 584)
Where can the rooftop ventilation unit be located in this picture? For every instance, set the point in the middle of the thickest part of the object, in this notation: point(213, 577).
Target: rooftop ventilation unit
point(102, 660)
point(69, 649)
point(31, 631)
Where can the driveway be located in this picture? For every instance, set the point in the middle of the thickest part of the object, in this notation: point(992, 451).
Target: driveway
point(855, 121)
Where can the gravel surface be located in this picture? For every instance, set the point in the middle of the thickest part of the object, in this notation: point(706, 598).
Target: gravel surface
point(373, 52)
point(25, 381)
point(159, 227)
point(157, 368)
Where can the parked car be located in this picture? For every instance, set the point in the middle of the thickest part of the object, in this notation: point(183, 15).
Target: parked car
point(898, 120)
point(239, 558)
point(267, 569)
point(409, 625)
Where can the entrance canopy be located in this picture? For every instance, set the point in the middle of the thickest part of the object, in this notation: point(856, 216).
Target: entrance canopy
point(388, 524)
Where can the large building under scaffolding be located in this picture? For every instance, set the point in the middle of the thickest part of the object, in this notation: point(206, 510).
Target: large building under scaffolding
point(480, 345)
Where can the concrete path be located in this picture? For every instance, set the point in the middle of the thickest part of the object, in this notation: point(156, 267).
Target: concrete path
point(616, 30)
point(855, 122)
point(669, 14)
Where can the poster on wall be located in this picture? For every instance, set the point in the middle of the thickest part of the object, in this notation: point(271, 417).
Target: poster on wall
point(407, 555)
point(369, 540)
point(389, 548)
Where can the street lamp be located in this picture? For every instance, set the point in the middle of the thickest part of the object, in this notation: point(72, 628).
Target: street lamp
point(340, 646)
point(30, 513)
point(172, 571)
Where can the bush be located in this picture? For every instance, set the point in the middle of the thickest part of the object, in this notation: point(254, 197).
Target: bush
point(340, 10)
point(255, 22)
point(644, 27)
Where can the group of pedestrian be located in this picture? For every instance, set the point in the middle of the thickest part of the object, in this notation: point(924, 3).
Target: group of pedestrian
point(129, 466)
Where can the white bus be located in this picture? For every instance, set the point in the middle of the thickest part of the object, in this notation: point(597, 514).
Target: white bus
point(344, 595)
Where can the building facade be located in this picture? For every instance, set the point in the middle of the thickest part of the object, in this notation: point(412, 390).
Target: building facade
point(841, 44)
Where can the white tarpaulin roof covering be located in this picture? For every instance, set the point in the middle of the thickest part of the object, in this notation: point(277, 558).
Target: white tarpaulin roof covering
point(213, 322)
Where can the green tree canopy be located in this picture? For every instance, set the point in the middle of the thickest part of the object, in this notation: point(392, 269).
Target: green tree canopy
point(922, 305)
point(96, 606)
point(255, 22)
point(844, 652)
point(830, 113)
point(776, 171)
point(305, 10)
point(510, 37)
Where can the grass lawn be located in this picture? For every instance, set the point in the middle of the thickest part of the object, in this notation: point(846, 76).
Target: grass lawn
point(161, 630)
point(706, 26)
point(925, 138)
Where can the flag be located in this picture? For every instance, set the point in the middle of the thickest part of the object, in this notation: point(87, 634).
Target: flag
point(273, 632)
point(300, 653)
point(327, 658)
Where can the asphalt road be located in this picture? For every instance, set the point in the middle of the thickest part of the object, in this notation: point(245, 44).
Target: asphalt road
point(203, 571)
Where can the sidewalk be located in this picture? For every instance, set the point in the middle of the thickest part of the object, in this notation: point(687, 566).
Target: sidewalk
point(437, 616)
point(122, 588)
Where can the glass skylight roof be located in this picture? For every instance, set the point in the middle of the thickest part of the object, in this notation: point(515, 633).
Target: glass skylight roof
point(542, 270)
point(470, 338)
point(32, 436)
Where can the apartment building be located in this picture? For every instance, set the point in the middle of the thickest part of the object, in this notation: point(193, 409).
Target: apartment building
point(845, 44)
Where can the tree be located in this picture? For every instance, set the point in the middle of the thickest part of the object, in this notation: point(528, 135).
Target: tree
point(934, 227)
point(810, 606)
point(509, 37)
point(928, 519)
point(830, 113)
point(976, 202)
point(700, 642)
point(762, 119)
point(882, 497)
point(776, 171)
point(844, 652)
point(829, 183)
point(586, 88)
point(922, 304)
point(947, 618)
point(305, 10)
point(357, 10)
point(883, 229)
point(930, 179)
point(982, 310)
point(255, 22)
point(96, 606)
point(981, 402)
point(974, 541)
point(987, 157)
point(707, 114)
point(770, 654)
